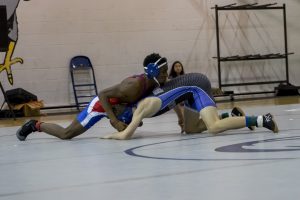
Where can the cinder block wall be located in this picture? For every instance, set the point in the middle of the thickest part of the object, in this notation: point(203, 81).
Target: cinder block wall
point(118, 34)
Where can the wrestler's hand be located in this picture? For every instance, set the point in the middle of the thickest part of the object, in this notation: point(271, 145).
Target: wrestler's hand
point(115, 136)
point(120, 126)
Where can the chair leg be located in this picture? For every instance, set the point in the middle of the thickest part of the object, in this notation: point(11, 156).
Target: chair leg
point(6, 100)
point(2, 105)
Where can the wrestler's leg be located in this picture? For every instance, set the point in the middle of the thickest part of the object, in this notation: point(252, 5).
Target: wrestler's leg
point(84, 120)
point(145, 109)
point(73, 130)
point(192, 122)
point(210, 117)
point(215, 125)
point(76, 128)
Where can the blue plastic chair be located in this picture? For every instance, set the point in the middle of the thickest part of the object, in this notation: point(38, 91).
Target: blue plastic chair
point(82, 64)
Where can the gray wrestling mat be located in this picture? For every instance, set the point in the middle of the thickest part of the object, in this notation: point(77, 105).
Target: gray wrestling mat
point(158, 163)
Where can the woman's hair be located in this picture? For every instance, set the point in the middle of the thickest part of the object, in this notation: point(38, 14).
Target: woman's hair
point(172, 73)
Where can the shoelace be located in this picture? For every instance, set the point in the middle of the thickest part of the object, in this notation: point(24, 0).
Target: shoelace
point(268, 118)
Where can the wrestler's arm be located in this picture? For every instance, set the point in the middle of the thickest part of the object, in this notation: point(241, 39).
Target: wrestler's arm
point(122, 91)
point(145, 109)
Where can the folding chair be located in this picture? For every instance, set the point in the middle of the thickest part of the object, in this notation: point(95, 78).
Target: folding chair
point(7, 102)
point(83, 80)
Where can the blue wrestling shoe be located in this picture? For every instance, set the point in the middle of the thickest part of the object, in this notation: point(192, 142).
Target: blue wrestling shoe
point(26, 129)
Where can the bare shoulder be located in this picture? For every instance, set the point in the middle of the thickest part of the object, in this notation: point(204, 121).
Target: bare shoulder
point(130, 84)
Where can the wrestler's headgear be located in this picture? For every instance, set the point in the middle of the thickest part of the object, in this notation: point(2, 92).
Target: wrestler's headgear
point(152, 69)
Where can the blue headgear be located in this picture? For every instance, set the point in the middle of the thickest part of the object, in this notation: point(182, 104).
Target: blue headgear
point(152, 69)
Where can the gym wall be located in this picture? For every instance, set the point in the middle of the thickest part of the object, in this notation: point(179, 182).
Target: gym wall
point(116, 35)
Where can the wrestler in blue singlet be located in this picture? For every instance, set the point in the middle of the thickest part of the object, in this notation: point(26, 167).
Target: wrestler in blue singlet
point(193, 88)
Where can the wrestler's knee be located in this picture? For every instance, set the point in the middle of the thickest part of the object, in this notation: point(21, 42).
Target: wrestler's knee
point(188, 131)
point(68, 134)
point(214, 129)
point(65, 137)
point(192, 130)
point(194, 127)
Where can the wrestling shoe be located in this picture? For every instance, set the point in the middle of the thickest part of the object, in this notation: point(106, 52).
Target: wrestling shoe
point(269, 123)
point(26, 129)
point(238, 112)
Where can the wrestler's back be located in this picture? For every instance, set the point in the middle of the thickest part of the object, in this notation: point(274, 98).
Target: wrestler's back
point(190, 79)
